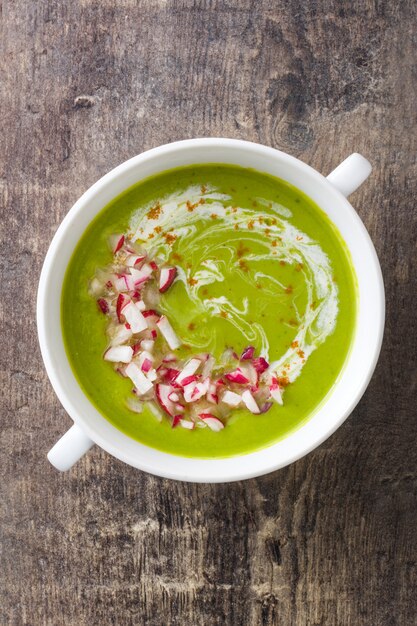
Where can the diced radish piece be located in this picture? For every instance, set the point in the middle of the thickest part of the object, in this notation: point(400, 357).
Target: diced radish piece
point(248, 353)
point(135, 318)
point(231, 398)
point(169, 358)
point(260, 364)
point(120, 284)
point(152, 318)
point(103, 305)
point(188, 380)
point(166, 278)
point(134, 259)
point(170, 375)
point(179, 408)
point(275, 390)
point(208, 366)
point(250, 372)
point(138, 378)
point(265, 407)
point(174, 397)
point(140, 276)
point(153, 265)
point(156, 411)
point(136, 348)
point(119, 354)
point(187, 424)
point(168, 333)
point(120, 369)
point(116, 242)
point(228, 355)
point(146, 365)
point(250, 402)
point(237, 377)
point(147, 344)
point(140, 305)
point(95, 288)
point(188, 392)
point(151, 375)
point(200, 390)
point(162, 395)
point(276, 395)
point(212, 393)
point(122, 301)
point(135, 405)
point(176, 420)
point(190, 368)
point(154, 334)
point(212, 421)
point(120, 335)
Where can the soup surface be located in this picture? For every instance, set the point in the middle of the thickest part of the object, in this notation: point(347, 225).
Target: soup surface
point(258, 263)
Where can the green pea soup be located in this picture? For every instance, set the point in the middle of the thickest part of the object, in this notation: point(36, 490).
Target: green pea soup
point(263, 266)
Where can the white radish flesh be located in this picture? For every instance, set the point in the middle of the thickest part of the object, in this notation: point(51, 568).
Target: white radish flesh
point(134, 318)
point(231, 398)
point(190, 368)
point(119, 335)
point(166, 278)
point(212, 422)
point(134, 405)
point(168, 333)
point(147, 344)
point(250, 402)
point(138, 378)
point(119, 354)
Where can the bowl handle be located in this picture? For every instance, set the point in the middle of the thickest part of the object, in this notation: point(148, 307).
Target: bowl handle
point(71, 447)
point(350, 174)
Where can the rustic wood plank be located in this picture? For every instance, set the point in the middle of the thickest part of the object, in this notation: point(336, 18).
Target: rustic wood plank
point(329, 540)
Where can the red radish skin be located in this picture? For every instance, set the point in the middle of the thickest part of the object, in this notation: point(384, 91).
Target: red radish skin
point(153, 265)
point(162, 395)
point(186, 381)
point(103, 305)
point(116, 242)
point(166, 278)
point(122, 301)
point(237, 377)
point(248, 354)
point(176, 420)
point(146, 365)
point(133, 260)
point(260, 364)
point(170, 375)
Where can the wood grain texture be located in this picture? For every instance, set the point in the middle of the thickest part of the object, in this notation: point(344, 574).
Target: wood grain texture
point(330, 540)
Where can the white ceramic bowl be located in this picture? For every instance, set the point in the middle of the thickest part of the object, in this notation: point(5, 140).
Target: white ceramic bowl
point(330, 194)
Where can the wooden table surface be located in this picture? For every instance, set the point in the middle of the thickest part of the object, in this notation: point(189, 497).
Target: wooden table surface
point(330, 540)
